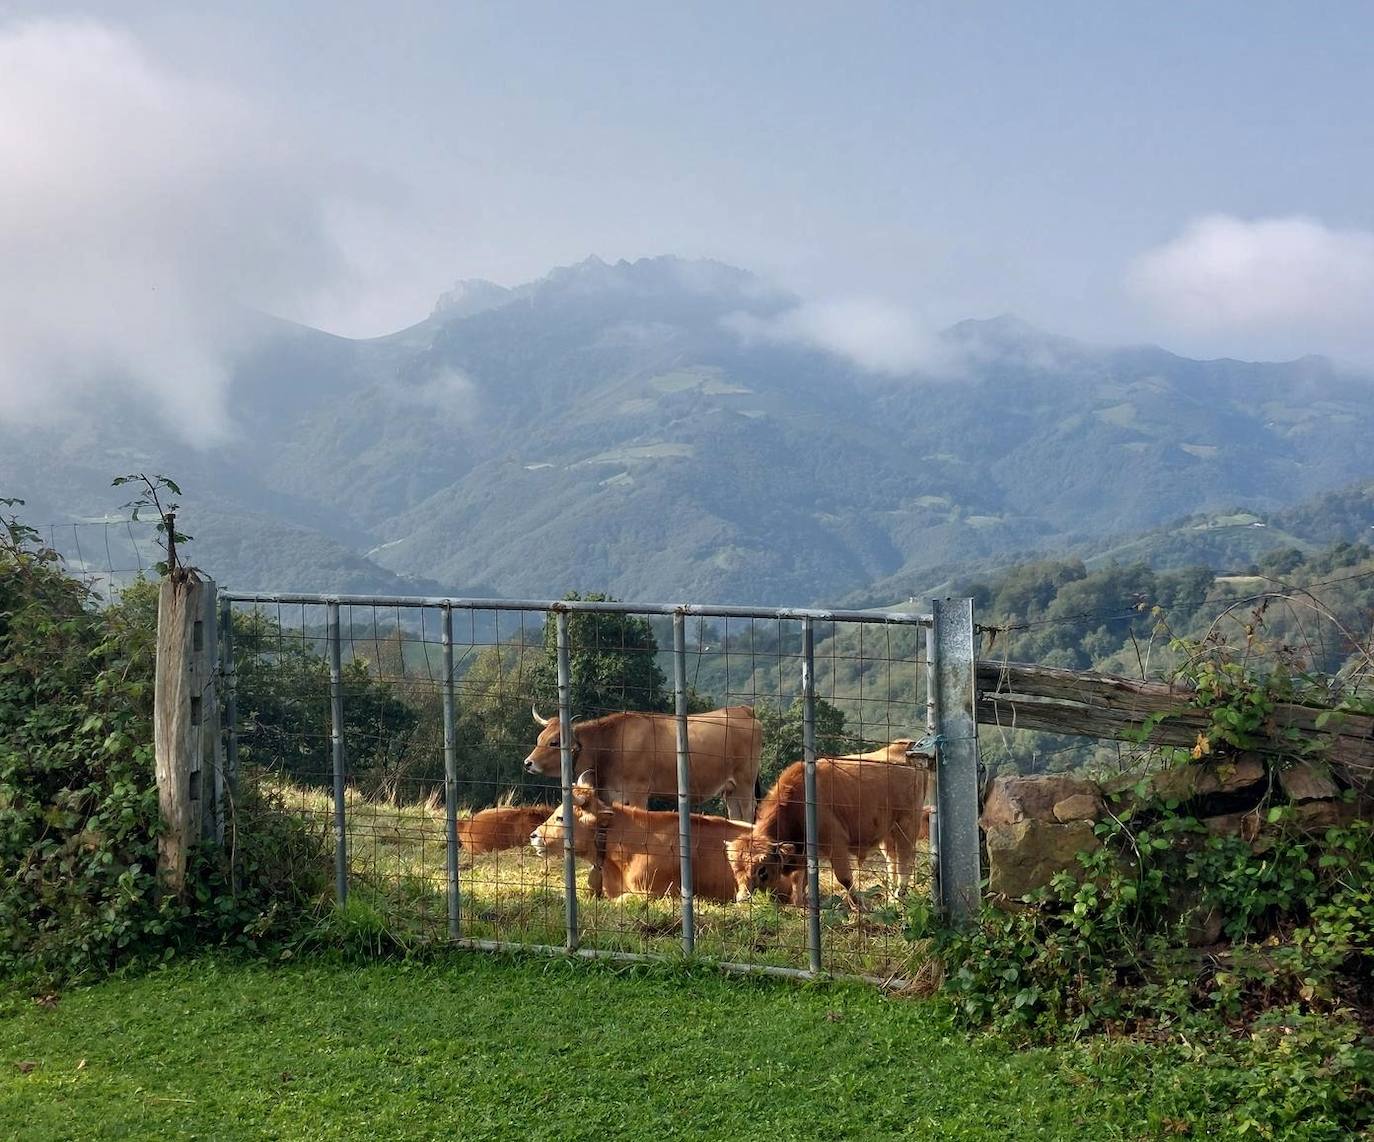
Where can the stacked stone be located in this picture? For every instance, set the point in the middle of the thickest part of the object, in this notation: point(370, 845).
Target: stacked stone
point(1035, 827)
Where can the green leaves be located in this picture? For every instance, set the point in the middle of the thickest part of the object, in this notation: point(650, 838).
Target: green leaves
point(152, 489)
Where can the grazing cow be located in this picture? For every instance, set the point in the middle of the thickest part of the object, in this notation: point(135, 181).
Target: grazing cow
point(504, 827)
point(632, 756)
point(637, 850)
point(860, 805)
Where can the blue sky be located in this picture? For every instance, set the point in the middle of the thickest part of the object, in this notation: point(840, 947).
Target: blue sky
point(1196, 175)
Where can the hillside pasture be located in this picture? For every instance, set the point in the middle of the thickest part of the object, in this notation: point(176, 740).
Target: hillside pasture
point(397, 870)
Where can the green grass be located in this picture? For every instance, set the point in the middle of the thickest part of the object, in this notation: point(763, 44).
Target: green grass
point(480, 1047)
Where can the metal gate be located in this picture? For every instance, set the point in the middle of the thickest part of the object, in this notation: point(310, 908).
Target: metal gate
point(381, 715)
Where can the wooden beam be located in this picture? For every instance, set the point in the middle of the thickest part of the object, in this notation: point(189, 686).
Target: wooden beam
point(1025, 696)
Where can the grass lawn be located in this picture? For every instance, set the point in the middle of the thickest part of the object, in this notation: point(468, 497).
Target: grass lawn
point(475, 1047)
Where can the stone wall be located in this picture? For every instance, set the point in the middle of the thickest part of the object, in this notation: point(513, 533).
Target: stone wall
point(1035, 827)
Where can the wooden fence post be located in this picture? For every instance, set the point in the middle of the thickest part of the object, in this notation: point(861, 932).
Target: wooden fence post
point(186, 736)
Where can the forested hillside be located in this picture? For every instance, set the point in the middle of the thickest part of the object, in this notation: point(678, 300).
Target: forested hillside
point(651, 429)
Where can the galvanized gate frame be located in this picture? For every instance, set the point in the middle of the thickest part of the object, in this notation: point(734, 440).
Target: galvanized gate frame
point(950, 726)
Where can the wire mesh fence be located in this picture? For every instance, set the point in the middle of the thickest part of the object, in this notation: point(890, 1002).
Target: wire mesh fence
point(446, 744)
point(107, 554)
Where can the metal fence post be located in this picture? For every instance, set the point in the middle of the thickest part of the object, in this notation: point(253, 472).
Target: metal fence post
point(813, 864)
point(565, 742)
point(211, 741)
point(684, 783)
point(932, 735)
point(451, 780)
point(228, 684)
point(956, 783)
point(336, 730)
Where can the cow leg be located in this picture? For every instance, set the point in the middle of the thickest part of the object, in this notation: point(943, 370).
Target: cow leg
point(844, 873)
point(893, 871)
point(897, 849)
point(740, 804)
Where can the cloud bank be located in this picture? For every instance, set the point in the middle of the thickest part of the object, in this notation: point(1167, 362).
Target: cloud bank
point(1289, 284)
point(871, 333)
point(137, 207)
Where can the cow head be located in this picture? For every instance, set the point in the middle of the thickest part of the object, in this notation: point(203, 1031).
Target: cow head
point(546, 758)
point(587, 812)
point(761, 865)
point(919, 755)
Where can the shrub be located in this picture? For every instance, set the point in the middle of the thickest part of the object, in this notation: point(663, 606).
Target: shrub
point(78, 800)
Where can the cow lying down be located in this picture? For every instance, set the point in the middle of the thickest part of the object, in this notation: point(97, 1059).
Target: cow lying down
point(860, 805)
point(635, 850)
point(504, 827)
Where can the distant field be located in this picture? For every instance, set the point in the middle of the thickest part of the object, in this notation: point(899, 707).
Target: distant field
point(476, 1047)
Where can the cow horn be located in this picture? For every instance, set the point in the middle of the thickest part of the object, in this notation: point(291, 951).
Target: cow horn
point(586, 777)
point(535, 714)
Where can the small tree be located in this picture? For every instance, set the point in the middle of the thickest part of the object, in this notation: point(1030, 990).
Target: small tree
point(613, 660)
point(782, 735)
point(153, 492)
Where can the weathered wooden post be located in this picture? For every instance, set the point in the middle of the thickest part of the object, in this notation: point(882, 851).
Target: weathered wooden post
point(186, 740)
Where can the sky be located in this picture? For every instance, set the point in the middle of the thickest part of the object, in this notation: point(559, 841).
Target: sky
point(1192, 175)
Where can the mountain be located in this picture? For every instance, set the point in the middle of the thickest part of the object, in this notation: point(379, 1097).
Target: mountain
point(657, 430)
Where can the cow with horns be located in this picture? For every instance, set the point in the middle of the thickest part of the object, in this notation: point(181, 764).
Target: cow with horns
point(632, 756)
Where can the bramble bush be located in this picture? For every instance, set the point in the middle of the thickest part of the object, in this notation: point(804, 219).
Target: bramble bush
point(78, 799)
point(1276, 1017)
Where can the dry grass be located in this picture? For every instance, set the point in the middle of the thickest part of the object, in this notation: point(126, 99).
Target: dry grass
point(397, 851)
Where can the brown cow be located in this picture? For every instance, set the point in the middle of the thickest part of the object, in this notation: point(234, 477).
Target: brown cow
point(860, 805)
point(504, 827)
point(634, 755)
point(637, 850)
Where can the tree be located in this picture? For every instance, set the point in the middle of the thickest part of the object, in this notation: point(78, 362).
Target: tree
point(613, 661)
point(782, 735)
point(282, 690)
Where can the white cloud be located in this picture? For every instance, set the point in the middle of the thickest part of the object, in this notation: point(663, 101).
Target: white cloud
point(1292, 283)
point(448, 391)
point(137, 206)
point(874, 334)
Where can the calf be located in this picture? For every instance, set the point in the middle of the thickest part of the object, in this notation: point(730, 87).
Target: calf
point(504, 827)
point(860, 805)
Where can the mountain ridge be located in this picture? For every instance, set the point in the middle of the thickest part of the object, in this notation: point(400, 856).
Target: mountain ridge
point(608, 428)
